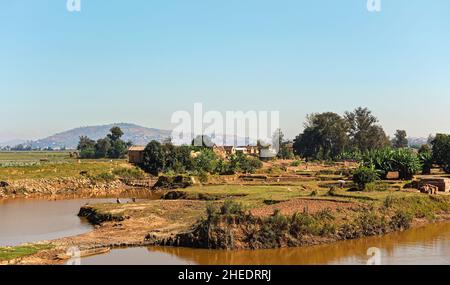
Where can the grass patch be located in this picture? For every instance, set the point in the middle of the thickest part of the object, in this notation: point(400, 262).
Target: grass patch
point(62, 170)
point(9, 253)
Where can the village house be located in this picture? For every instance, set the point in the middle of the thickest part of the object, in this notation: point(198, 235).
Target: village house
point(230, 150)
point(136, 154)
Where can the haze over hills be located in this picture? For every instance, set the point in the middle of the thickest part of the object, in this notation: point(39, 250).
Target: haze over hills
point(137, 134)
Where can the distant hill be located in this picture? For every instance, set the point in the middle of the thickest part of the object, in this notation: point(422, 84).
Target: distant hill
point(137, 134)
point(417, 141)
point(12, 143)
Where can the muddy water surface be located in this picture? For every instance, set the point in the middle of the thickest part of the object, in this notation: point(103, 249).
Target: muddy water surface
point(424, 245)
point(32, 220)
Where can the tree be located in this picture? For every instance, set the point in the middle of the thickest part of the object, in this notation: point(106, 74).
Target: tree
point(116, 134)
point(102, 147)
point(202, 141)
point(426, 158)
point(307, 144)
point(364, 133)
point(154, 158)
point(86, 146)
point(118, 149)
point(324, 137)
point(400, 140)
point(441, 151)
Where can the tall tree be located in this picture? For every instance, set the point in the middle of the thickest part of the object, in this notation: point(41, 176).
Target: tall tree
point(400, 139)
point(154, 158)
point(324, 137)
point(202, 141)
point(441, 151)
point(86, 146)
point(116, 134)
point(364, 132)
point(102, 147)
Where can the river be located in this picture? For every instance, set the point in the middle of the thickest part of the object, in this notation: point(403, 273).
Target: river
point(32, 220)
point(25, 220)
point(423, 245)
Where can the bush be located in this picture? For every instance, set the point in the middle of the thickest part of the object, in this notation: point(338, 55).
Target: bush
point(405, 161)
point(242, 163)
point(364, 175)
point(231, 207)
point(104, 177)
point(203, 177)
point(401, 221)
point(296, 163)
point(172, 182)
point(129, 173)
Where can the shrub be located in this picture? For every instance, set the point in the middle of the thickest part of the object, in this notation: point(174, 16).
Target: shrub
point(364, 175)
point(296, 163)
point(388, 202)
point(371, 224)
point(405, 161)
point(441, 151)
point(203, 176)
point(129, 173)
point(104, 177)
point(243, 163)
point(401, 221)
point(230, 207)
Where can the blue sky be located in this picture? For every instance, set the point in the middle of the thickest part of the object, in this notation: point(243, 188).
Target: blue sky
point(139, 61)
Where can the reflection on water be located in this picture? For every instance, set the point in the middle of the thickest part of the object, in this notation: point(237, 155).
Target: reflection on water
point(32, 220)
point(424, 245)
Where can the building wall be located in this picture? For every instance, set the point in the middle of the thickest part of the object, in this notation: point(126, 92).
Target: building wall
point(135, 156)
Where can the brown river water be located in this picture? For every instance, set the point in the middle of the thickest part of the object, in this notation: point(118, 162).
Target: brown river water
point(23, 220)
point(423, 245)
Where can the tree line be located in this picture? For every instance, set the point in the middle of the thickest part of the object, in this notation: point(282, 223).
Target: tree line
point(198, 159)
point(111, 146)
point(328, 135)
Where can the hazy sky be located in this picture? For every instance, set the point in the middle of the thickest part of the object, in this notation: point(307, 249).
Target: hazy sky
point(139, 61)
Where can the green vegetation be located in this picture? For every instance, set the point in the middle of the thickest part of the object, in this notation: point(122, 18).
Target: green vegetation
point(193, 160)
point(328, 135)
point(400, 140)
point(365, 175)
point(441, 151)
point(70, 168)
point(405, 161)
point(231, 226)
point(9, 253)
point(33, 158)
point(133, 173)
point(109, 147)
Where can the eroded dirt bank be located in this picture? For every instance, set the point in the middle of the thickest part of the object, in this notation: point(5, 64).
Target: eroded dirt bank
point(61, 187)
point(126, 225)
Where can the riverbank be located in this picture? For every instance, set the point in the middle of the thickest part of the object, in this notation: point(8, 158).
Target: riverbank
point(321, 219)
point(123, 225)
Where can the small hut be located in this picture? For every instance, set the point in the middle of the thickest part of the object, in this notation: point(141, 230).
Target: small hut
point(136, 154)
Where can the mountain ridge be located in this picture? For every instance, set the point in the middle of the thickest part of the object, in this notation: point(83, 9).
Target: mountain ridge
point(137, 134)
